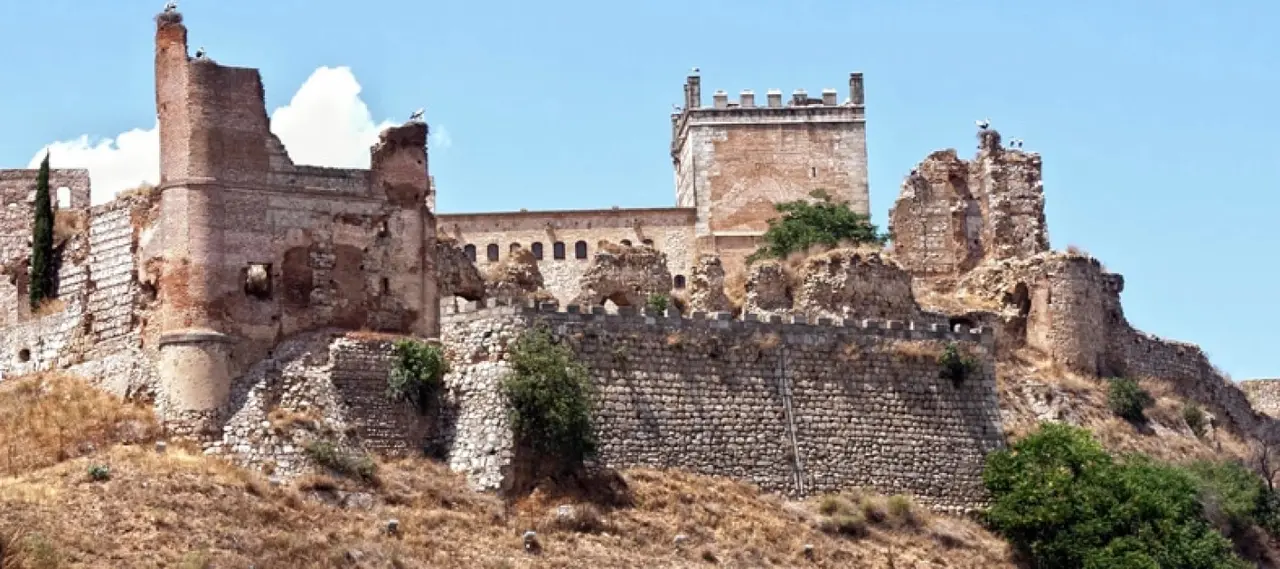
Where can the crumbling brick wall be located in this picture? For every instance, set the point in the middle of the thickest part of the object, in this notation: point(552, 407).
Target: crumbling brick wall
point(953, 214)
point(17, 214)
point(794, 408)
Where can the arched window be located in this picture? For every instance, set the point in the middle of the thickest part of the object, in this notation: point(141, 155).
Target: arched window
point(492, 252)
point(64, 198)
point(626, 242)
point(557, 250)
point(470, 251)
point(537, 251)
point(580, 250)
point(679, 281)
point(648, 242)
point(513, 247)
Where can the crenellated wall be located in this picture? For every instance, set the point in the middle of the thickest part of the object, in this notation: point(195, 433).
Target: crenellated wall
point(796, 408)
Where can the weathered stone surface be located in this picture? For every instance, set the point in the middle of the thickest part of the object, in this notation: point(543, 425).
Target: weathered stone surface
point(856, 284)
point(624, 275)
point(768, 289)
point(458, 275)
point(797, 409)
point(1264, 395)
point(952, 214)
point(706, 286)
point(516, 277)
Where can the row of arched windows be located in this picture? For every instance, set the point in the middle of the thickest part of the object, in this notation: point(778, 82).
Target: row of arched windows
point(557, 250)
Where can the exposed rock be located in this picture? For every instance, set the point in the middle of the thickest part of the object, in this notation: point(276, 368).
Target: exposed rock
point(516, 277)
point(706, 286)
point(768, 290)
point(625, 275)
point(458, 275)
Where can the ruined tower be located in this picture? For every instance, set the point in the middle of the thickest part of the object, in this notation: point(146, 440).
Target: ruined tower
point(250, 248)
point(735, 159)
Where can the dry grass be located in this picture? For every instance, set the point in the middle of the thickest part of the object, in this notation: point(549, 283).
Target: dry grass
point(49, 418)
point(917, 350)
point(49, 306)
point(767, 341)
point(68, 223)
point(183, 509)
point(735, 287)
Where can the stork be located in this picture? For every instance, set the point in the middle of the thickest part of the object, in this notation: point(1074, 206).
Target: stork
point(416, 116)
point(984, 124)
point(200, 53)
point(170, 6)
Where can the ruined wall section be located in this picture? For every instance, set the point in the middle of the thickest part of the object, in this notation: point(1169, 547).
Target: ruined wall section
point(670, 230)
point(953, 214)
point(1264, 395)
point(17, 214)
point(794, 408)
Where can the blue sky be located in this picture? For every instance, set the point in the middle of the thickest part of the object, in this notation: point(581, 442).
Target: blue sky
point(1155, 120)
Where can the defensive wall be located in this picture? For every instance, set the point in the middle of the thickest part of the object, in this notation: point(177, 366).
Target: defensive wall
point(1264, 394)
point(795, 407)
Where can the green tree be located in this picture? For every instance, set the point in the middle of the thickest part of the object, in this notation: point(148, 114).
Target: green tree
point(1064, 502)
point(418, 372)
point(549, 393)
point(42, 266)
point(804, 224)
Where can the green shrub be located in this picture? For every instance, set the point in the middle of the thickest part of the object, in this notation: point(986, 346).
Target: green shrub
point(327, 454)
point(1194, 416)
point(806, 224)
point(1062, 501)
point(418, 372)
point(1127, 400)
point(99, 473)
point(657, 303)
point(549, 396)
point(1233, 496)
point(42, 269)
point(955, 365)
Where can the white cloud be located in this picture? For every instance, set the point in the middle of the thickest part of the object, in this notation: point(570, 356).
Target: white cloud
point(325, 124)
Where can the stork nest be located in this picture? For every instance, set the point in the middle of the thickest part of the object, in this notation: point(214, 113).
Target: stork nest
point(169, 18)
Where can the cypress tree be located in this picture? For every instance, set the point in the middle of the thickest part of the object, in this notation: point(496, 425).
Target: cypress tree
point(42, 240)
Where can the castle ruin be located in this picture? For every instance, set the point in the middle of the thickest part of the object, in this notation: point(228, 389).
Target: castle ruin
point(244, 286)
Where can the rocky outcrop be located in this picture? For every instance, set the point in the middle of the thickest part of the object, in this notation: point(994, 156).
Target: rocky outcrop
point(458, 275)
point(516, 277)
point(624, 275)
point(706, 286)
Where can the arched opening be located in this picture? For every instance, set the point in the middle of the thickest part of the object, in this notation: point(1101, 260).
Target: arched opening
point(648, 242)
point(64, 197)
point(24, 355)
point(626, 242)
point(678, 282)
point(537, 251)
point(557, 250)
point(580, 250)
point(470, 251)
point(491, 252)
point(513, 247)
point(965, 324)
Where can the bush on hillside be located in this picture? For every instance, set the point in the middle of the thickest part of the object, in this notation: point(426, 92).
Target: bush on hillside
point(805, 224)
point(417, 373)
point(1062, 501)
point(1128, 400)
point(549, 394)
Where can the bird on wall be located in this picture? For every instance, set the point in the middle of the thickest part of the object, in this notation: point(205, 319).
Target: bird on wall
point(696, 71)
point(416, 116)
point(200, 53)
point(170, 7)
point(984, 124)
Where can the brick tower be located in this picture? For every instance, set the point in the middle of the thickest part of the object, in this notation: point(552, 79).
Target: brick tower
point(735, 159)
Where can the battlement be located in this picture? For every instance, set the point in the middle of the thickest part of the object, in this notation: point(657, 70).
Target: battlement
point(890, 329)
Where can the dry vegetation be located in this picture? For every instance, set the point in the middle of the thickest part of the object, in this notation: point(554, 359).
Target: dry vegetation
point(182, 509)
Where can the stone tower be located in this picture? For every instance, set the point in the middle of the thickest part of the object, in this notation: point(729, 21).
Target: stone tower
point(735, 160)
point(250, 249)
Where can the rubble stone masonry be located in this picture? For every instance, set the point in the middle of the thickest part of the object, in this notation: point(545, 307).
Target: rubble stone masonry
point(792, 407)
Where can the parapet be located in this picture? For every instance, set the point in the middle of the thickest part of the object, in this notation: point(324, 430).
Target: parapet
point(671, 318)
point(800, 107)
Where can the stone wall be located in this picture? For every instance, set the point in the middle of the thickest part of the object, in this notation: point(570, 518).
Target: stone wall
point(794, 408)
point(569, 240)
point(17, 214)
point(1264, 395)
point(953, 214)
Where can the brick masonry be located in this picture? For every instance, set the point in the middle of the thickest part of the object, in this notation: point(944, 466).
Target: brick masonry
point(792, 407)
